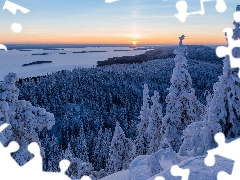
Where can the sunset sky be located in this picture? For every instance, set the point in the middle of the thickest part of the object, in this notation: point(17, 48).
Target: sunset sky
point(122, 22)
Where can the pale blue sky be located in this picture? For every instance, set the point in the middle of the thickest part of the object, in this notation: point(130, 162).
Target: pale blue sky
point(94, 21)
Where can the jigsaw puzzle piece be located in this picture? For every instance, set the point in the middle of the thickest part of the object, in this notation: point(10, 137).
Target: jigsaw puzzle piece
point(222, 51)
point(223, 176)
point(64, 164)
point(111, 1)
point(3, 126)
point(236, 15)
point(210, 158)
point(182, 11)
point(12, 7)
point(35, 164)
point(159, 178)
point(8, 165)
point(2, 46)
point(176, 171)
point(85, 178)
point(182, 7)
point(221, 6)
point(227, 150)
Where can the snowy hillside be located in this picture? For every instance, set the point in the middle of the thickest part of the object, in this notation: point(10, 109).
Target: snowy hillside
point(121, 175)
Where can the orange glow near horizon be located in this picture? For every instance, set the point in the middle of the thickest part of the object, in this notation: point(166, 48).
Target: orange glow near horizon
point(97, 39)
point(134, 42)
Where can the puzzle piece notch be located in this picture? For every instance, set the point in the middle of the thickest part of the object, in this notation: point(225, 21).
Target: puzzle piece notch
point(182, 6)
point(221, 6)
point(7, 164)
point(3, 126)
point(111, 1)
point(228, 150)
point(12, 7)
point(2, 46)
point(159, 178)
point(31, 170)
point(85, 178)
point(223, 51)
point(177, 171)
point(236, 16)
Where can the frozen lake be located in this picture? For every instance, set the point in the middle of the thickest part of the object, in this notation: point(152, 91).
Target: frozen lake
point(64, 58)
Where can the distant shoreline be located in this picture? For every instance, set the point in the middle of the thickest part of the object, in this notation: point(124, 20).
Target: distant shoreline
point(164, 52)
point(61, 46)
point(37, 62)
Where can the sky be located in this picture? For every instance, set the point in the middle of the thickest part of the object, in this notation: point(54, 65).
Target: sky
point(121, 22)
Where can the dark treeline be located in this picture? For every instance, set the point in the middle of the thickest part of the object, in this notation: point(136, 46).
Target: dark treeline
point(195, 52)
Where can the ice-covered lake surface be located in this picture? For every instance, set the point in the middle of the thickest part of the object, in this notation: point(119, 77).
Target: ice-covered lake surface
point(62, 58)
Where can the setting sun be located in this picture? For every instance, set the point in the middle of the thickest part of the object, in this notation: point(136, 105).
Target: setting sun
point(134, 42)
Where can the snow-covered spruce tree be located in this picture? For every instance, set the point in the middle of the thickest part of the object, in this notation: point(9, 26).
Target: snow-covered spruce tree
point(208, 100)
point(78, 168)
point(141, 143)
point(25, 120)
point(53, 154)
point(183, 108)
point(154, 125)
point(198, 138)
point(79, 147)
point(225, 104)
point(120, 151)
point(101, 149)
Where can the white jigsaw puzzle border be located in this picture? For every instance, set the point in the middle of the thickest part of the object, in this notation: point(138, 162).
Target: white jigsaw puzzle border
point(33, 169)
point(182, 8)
point(223, 149)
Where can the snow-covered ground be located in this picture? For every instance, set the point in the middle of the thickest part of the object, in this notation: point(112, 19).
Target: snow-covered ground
point(198, 170)
point(121, 175)
point(13, 60)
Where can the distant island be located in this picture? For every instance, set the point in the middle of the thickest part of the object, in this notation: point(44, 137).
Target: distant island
point(141, 49)
point(97, 51)
point(25, 50)
point(79, 52)
point(87, 51)
point(36, 62)
point(122, 50)
point(53, 49)
point(40, 54)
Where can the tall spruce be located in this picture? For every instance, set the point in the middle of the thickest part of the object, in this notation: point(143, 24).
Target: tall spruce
point(183, 108)
point(79, 146)
point(141, 143)
point(154, 125)
point(101, 149)
point(120, 152)
point(225, 104)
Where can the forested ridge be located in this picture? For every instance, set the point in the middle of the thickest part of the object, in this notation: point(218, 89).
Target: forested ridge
point(94, 99)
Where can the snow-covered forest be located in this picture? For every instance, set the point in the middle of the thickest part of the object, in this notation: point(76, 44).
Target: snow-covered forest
point(94, 106)
point(107, 116)
point(112, 118)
